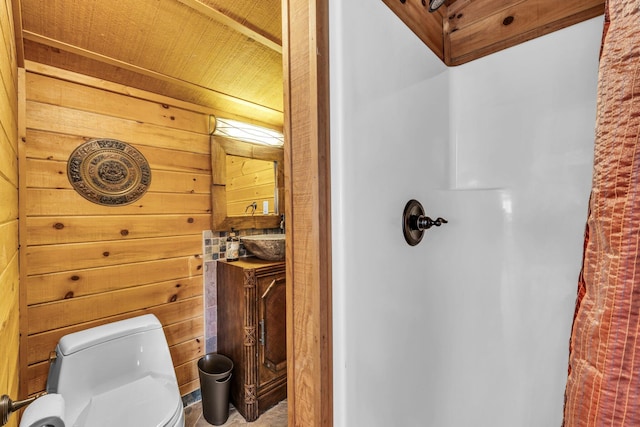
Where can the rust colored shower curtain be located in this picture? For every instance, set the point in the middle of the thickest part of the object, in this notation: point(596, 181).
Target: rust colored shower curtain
point(603, 385)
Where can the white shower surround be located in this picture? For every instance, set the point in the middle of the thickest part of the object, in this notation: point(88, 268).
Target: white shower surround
point(471, 326)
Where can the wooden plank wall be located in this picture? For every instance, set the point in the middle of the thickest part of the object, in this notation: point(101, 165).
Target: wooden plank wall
point(9, 259)
point(88, 264)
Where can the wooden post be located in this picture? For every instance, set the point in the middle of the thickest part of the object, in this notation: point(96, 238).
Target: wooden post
point(308, 212)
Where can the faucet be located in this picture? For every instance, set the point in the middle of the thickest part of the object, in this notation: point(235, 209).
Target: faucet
point(253, 207)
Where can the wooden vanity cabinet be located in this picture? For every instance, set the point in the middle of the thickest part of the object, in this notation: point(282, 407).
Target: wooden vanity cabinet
point(252, 332)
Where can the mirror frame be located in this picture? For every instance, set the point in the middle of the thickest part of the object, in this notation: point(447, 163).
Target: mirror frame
point(220, 147)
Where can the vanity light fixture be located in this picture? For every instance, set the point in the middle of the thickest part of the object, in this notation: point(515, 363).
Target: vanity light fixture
point(435, 4)
point(248, 132)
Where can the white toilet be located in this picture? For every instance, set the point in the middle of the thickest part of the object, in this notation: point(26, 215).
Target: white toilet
point(116, 375)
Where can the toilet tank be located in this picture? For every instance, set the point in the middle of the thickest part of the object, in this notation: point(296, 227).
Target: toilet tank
point(107, 357)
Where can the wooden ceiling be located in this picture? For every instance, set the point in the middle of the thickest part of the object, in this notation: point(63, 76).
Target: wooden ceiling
point(222, 54)
point(463, 30)
point(227, 54)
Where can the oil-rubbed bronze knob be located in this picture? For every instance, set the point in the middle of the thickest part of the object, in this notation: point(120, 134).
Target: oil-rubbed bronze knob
point(424, 222)
point(415, 222)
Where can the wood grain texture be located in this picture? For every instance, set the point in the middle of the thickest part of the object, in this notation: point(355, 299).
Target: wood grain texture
point(48, 174)
point(483, 27)
point(45, 202)
point(245, 329)
point(76, 283)
point(186, 49)
point(44, 145)
point(209, 10)
point(87, 264)
point(9, 197)
point(464, 30)
point(9, 255)
point(76, 229)
point(308, 211)
point(72, 311)
point(62, 119)
point(50, 90)
point(76, 256)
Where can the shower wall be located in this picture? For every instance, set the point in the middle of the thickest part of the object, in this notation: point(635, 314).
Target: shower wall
point(471, 326)
point(523, 119)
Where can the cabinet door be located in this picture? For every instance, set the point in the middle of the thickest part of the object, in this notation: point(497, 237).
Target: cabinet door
point(272, 350)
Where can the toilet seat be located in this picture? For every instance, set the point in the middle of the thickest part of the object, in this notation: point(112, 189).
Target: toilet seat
point(148, 402)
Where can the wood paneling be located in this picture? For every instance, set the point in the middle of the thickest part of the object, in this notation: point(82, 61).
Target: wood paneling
point(192, 50)
point(464, 30)
point(9, 197)
point(9, 255)
point(47, 146)
point(52, 287)
point(86, 264)
point(474, 29)
point(55, 201)
point(47, 174)
point(77, 256)
point(48, 90)
point(67, 120)
point(75, 229)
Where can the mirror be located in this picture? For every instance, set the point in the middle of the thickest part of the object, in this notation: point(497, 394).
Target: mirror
point(244, 173)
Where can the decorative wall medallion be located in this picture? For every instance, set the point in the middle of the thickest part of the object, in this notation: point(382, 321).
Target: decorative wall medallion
point(109, 172)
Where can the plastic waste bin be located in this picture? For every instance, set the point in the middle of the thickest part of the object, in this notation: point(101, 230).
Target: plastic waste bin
point(215, 379)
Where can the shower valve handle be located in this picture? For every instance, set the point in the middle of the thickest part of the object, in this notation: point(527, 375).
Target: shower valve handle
point(415, 222)
point(425, 223)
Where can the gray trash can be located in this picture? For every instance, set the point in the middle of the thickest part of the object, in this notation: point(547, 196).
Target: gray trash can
point(215, 379)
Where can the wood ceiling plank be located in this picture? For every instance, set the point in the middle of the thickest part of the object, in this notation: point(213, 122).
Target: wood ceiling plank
point(264, 16)
point(100, 75)
point(17, 29)
point(251, 32)
point(28, 35)
point(465, 12)
point(524, 20)
point(70, 76)
point(171, 47)
point(214, 99)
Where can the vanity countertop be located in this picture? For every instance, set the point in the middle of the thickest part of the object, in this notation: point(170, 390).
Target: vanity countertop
point(252, 262)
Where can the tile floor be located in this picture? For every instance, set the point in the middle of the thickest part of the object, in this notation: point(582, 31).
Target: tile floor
point(274, 417)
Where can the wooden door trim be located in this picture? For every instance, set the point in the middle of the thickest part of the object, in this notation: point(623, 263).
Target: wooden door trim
point(308, 212)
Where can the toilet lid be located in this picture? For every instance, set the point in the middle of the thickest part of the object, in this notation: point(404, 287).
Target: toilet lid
point(147, 402)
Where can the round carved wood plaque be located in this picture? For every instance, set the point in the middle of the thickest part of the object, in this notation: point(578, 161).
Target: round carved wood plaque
point(109, 172)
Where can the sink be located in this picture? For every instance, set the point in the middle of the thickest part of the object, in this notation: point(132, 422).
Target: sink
point(269, 247)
